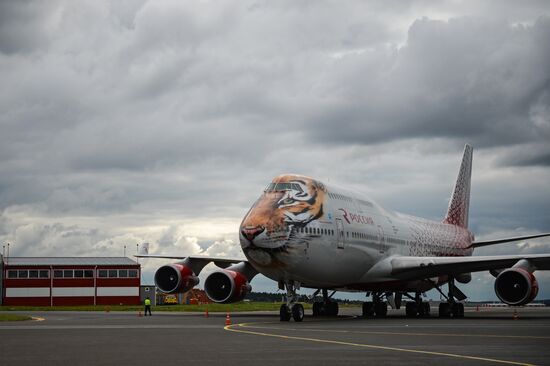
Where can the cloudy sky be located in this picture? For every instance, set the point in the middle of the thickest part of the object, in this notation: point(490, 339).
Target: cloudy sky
point(126, 122)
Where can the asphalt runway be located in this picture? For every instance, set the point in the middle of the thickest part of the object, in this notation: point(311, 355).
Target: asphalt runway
point(485, 337)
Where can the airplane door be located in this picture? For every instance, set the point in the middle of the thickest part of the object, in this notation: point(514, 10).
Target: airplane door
point(381, 239)
point(340, 233)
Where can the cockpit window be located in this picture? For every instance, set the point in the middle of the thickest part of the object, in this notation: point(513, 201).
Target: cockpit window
point(283, 187)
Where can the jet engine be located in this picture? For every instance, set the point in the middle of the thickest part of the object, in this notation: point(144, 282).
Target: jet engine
point(516, 286)
point(175, 278)
point(226, 286)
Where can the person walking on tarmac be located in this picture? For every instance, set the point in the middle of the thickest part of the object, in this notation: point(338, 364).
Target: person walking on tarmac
point(147, 306)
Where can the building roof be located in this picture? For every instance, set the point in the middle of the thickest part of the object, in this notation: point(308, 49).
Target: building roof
point(69, 261)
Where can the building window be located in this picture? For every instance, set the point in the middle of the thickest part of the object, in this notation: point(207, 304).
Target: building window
point(22, 274)
point(123, 273)
point(44, 273)
point(68, 273)
point(88, 273)
point(113, 273)
point(78, 273)
point(132, 273)
point(12, 274)
point(58, 273)
point(102, 273)
point(33, 273)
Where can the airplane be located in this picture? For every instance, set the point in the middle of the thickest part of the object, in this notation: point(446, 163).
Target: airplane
point(302, 232)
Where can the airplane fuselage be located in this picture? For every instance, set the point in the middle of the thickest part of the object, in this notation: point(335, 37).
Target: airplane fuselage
point(323, 236)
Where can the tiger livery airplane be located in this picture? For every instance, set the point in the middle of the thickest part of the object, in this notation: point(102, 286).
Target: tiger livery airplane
point(304, 233)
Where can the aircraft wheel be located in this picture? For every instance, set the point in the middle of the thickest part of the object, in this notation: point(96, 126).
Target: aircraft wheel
point(368, 309)
point(297, 312)
point(444, 310)
point(381, 309)
point(318, 309)
point(461, 310)
point(425, 309)
point(411, 310)
point(457, 310)
point(284, 313)
point(332, 308)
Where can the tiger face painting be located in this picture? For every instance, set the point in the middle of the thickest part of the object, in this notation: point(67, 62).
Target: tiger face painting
point(289, 202)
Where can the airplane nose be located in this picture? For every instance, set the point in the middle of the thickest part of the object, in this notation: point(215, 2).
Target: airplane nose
point(251, 232)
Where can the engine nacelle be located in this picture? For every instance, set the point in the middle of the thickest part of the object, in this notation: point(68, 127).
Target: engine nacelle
point(516, 286)
point(175, 278)
point(226, 286)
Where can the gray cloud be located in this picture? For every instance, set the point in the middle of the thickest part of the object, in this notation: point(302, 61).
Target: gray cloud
point(468, 79)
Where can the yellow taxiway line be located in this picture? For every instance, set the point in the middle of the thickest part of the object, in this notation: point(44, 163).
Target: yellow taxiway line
point(251, 325)
point(231, 328)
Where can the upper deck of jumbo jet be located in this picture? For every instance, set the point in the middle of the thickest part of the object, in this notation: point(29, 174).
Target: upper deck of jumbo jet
point(299, 184)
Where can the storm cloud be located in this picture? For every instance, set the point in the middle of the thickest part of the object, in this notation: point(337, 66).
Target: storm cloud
point(161, 121)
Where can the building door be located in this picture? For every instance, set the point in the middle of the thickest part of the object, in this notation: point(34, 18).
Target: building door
point(340, 233)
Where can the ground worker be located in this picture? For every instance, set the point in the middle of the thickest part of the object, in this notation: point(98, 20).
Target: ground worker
point(147, 306)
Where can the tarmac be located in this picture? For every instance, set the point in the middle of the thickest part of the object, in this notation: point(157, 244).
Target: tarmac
point(490, 336)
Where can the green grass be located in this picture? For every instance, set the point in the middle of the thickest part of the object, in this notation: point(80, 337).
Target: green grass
point(221, 308)
point(239, 306)
point(13, 317)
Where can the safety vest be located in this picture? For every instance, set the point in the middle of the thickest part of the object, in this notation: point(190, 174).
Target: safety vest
point(147, 302)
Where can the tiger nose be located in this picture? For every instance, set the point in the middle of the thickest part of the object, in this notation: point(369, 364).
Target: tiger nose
point(251, 232)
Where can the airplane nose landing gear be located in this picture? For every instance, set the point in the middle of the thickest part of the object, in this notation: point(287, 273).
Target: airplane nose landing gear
point(291, 308)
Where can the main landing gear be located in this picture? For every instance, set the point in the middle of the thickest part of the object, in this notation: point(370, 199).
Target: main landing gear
point(291, 308)
point(327, 307)
point(377, 307)
point(417, 307)
point(452, 308)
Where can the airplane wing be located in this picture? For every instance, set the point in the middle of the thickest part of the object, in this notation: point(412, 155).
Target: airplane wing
point(199, 259)
point(408, 268)
point(484, 243)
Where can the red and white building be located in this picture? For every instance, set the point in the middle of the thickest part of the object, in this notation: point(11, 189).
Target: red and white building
point(53, 281)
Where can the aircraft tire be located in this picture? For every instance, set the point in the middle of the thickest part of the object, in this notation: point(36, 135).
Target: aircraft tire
point(298, 312)
point(318, 309)
point(411, 309)
point(381, 309)
point(331, 308)
point(457, 310)
point(444, 310)
point(284, 313)
point(427, 309)
point(368, 309)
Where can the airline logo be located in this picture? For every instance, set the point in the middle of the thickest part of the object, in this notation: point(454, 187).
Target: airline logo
point(353, 217)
